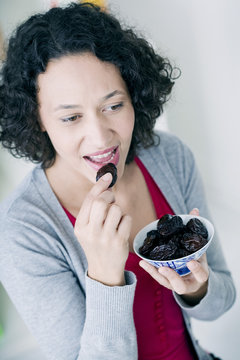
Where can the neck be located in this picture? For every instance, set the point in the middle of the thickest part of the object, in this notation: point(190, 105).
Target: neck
point(71, 191)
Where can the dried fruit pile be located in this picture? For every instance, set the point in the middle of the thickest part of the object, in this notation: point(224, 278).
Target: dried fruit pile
point(172, 239)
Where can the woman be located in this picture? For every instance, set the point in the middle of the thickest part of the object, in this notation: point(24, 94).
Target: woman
point(79, 91)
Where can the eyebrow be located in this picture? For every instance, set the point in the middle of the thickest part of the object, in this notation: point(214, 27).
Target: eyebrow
point(104, 98)
point(63, 106)
point(113, 93)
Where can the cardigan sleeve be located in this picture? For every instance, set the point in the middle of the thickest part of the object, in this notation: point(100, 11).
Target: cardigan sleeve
point(221, 292)
point(71, 318)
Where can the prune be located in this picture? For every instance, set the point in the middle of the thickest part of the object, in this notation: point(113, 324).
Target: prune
point(169, 225)
point(175, 239)
point(181, 253)
point(164, 218)
point(150, 242)
point(153, 234)
point(193, 242)
point(197, 227)
point(108, 168)
point(163, 252)
point(172, 239)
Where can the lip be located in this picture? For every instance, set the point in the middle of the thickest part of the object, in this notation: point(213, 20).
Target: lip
point(101, 152)
point(97, 165)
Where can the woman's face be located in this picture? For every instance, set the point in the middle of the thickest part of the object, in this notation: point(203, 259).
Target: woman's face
point(87, 112)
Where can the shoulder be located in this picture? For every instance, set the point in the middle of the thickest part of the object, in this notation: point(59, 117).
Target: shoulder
point(171, 145)
point(170, 151)
point(32, 205)
point(172, 166)
point(16, 196)
point(23, 198)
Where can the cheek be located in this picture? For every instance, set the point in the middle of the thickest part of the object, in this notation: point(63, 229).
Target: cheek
point(128, 125)
point(62, 142)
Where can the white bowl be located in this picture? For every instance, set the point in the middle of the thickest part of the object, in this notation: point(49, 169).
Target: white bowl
point(179, 265)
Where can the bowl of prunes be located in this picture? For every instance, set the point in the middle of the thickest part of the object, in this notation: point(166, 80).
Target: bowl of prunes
point(174, 240)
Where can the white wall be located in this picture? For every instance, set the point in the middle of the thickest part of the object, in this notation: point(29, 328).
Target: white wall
point(202, 38)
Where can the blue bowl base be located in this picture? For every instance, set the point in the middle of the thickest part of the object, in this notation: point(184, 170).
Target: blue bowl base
point(183, 271)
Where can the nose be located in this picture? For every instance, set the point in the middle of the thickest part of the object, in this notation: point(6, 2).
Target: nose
point(98, 132)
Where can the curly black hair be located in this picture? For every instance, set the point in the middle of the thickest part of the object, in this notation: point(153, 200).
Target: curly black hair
point(74, 29)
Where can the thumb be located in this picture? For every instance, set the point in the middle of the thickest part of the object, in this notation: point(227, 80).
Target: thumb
point(102, 184)
point(194, 211)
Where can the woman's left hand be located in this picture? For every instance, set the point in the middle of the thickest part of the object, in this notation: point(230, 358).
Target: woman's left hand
point(192, 287)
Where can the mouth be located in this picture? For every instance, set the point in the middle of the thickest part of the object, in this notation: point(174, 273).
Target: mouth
point(101, 158)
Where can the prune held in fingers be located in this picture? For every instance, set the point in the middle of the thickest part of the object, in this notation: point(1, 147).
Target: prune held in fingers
point(197, 227)
point(108, 168)
point(169, 225)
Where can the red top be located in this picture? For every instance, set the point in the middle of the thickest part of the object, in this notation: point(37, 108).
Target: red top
point(160, 328)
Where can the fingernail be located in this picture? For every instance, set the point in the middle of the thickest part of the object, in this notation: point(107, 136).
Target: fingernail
point(106, 177)
point(143, 264)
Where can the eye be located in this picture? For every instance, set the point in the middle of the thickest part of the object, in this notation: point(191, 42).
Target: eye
point(71, 118)
point(113, 108)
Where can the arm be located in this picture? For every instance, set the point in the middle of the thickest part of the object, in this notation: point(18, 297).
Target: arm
point(71, 316)
point(213, 292)
point(220, 293)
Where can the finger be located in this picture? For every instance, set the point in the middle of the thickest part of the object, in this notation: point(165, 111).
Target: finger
point(99, 211)
point(101, 185)
point(107, 196)
point(124, 228)
point(203, 260)
point(174, 279)
point(194, 211)
point(155, 274)
point(97, 189)
point(113, 218)
point(199, 272)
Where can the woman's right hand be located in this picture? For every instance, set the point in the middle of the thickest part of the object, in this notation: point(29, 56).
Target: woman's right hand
point(103, 232)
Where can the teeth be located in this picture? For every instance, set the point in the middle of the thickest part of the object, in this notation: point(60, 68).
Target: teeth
point(94, 158)
point(101, 156)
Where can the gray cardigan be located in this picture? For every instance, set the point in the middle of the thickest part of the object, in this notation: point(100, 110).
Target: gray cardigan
point(43, 267)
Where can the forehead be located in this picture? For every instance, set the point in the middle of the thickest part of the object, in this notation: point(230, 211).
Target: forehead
point(85, 71)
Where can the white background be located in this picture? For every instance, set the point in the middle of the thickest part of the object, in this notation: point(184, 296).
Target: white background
point(202, 39)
